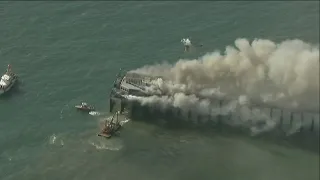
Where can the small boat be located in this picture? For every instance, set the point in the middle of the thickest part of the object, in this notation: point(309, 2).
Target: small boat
point(84, 107)
point(8, 79)
point(187, 44)
point(110, 128)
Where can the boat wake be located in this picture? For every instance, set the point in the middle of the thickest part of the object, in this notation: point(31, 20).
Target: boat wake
point(62, 111)
point(112, 145)
point(56, 140)
point(94, 113)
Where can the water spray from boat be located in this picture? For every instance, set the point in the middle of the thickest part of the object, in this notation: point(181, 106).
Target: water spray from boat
point(94, 113)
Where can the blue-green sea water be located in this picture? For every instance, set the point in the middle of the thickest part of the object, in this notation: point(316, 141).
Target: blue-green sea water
point(66, 52)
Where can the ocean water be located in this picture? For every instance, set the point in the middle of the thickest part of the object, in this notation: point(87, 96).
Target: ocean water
point(67, 52)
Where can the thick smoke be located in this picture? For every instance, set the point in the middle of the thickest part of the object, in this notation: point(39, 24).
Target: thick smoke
point(242, 116)
point(263, 72)
point(284, 74)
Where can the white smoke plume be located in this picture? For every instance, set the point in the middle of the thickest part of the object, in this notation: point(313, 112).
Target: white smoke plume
point(284, 74)
point(242, 115)
point(264, 72)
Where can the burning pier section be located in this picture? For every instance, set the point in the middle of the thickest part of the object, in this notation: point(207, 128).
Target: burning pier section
point(289, 121)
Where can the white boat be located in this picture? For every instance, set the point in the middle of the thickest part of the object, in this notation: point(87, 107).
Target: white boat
point(8, 79)
point(84, 107)
point(187, 43)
